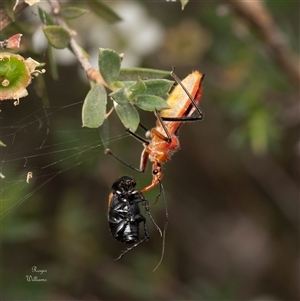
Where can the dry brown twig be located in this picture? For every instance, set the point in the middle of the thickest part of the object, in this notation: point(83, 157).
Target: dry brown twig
point(5, 20)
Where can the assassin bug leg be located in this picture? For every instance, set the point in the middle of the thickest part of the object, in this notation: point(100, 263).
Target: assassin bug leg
point(109, 152)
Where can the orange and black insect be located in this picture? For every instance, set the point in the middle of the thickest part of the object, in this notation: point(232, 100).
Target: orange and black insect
point(162, 141)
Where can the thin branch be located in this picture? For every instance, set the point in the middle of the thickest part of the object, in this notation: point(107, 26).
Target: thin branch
point(260, 18)
point(91, 72)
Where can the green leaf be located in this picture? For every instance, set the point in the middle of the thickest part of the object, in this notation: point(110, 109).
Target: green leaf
point(129, 92)
point(143, 73)
point(9, 8)
point(128, 115)
point(149, 95)
point(72, 12)
point(52, 63)
point(94, 107)
point(103, 11)
point(103, 132)
point(151, 103)
point(117, 85)
point(57, 36)
point(45, 17)
point(109, 64)
point(135, 90)
point(119, 96)
point(158, 86)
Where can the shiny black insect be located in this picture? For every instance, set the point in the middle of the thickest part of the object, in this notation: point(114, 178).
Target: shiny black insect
point(124, 215)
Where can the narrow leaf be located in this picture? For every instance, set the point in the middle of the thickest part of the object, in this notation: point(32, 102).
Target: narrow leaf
point(57, 36)
point(158, 86)
point(119, 96)
point(117, 85)
point(9, 6)
point(103, 11)
point(128, 115)
point(45, 17)
point(143, 73)
point(136, 89)
point(94, 107)
point(72, 12)
point(52, 63)
point(151, 103)
point(109, 64)
point(103, 132)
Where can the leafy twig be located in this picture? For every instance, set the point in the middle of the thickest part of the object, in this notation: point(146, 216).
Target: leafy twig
point(91, 72)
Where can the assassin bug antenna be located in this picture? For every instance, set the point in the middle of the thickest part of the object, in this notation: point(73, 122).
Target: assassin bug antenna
point(147, 208)
point(162, 192)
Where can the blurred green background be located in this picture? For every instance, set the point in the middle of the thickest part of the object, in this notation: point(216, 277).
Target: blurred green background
point(232, 190)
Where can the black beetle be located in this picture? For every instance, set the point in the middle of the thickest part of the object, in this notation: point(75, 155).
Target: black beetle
point(124, 215)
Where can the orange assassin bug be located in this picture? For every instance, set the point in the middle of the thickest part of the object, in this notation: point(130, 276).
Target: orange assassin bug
point(162, 141)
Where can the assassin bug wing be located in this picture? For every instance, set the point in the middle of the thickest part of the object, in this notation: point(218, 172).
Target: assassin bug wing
point(178, 100)
point(183, 102)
